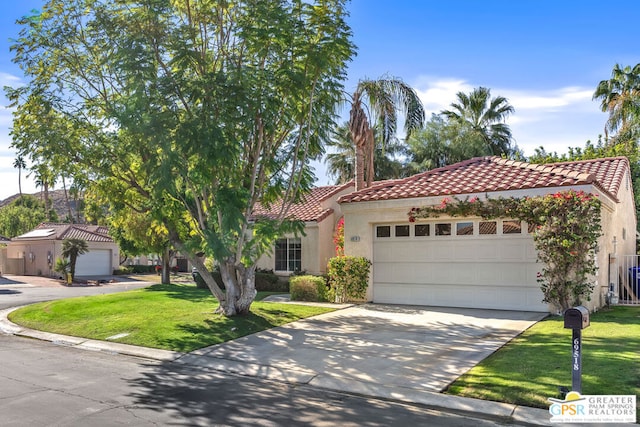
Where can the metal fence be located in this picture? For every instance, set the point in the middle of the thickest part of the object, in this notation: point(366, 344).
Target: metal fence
point(628, 272)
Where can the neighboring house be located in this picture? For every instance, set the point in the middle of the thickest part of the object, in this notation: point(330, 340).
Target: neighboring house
point(309, 252)
point(35, 253)
point(470, 262)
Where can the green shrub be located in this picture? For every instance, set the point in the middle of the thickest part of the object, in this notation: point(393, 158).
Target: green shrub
point(122, 270)
point(268, 282)
point(348, 278)
point(142, 269)
point(308, 288)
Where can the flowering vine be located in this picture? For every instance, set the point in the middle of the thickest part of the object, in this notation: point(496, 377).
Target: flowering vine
point(338, 237)
point(566, 228)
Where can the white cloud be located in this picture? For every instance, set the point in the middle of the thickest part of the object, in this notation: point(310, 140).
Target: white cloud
point(7, 79)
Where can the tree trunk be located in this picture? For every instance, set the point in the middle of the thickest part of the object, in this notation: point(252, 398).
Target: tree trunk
point(239, 283)
point(370, 151)
point(66, 198)
point(47, 208)
point(359, 172)
point(166, 268)
point(20, 181)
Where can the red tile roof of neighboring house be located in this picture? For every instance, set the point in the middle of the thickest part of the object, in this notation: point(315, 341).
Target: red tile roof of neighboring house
point(89, 233)
point(309, 210)
point(491, 174)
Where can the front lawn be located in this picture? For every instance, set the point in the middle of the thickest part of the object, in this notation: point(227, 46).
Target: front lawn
point(529, 369)
point(171, 317)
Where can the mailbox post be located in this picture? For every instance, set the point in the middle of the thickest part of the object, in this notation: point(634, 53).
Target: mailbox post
point(576, 319)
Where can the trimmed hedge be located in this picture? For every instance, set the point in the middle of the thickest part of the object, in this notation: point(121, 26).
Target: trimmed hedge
point(308, 288)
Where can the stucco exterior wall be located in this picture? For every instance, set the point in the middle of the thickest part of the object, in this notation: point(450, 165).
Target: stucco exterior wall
point(621, 225)
point(618, 220)
point(39, 256)
point(317, 243)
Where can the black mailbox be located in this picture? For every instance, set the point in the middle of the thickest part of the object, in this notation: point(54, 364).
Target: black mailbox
point(576, 318)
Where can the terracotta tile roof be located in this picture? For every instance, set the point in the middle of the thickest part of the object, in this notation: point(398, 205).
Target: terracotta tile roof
point(89, 233)
point(491, 174)
point(309, 210)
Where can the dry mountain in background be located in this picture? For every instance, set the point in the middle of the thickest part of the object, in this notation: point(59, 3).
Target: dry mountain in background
point(58, 200)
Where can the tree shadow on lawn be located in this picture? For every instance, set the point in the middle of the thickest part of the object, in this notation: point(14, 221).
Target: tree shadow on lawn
point(221, 329)
point(183, 292)
point(192, 293)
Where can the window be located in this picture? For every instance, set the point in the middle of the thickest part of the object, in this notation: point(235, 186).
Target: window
point(511, 227)
point(488, 227)
point(464, 229)
point(289, 254)
point(383, 231)
point(443, 229)
point(422, 230)
point(402, 230)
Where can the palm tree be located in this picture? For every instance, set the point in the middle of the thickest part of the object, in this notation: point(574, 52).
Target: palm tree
point(620, 96)
point(19, 164)
point(44, 178)
point(485, 117)
point(382, 99)
point(341, 162)
point(72, 249)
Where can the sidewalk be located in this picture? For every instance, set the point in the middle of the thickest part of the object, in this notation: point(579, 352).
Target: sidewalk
point(295, 374)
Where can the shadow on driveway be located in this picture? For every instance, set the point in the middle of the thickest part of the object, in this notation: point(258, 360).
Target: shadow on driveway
point(420, 348)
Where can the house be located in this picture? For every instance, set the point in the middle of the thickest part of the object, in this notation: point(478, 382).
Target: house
point(310, 252)
point(470, 262)
point(35, 253)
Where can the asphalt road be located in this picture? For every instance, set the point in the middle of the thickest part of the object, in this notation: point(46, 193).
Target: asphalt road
point(48, 384)
point(14, 294)
point(44, 384)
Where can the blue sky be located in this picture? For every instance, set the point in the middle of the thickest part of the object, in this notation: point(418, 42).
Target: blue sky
point(546, 57)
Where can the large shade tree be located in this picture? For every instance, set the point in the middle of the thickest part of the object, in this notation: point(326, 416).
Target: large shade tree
point(191, 111)
point(484, 117)
point(379, 102)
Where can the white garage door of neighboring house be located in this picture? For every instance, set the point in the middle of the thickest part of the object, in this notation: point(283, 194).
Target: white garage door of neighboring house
point(96, 262)
point(457, 263)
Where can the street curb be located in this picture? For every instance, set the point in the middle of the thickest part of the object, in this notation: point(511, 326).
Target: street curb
point(474, 407)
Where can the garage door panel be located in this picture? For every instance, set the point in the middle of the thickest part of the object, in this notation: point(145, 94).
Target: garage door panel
point(497, 272)
point(467, 296)
point(96, 262)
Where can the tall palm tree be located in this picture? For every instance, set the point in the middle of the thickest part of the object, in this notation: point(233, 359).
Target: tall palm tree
point(72, 249)
point(44, 177)
point(19, 164)
point(620, 97)
point(378, 101)
point(485, 117)
point(341, 162)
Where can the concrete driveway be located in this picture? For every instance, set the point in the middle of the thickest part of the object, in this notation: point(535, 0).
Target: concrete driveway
point(371, 345)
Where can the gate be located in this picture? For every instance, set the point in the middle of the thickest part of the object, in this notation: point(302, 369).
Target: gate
point(628, 281)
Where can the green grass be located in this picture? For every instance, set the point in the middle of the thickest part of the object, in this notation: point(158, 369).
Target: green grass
point(529, 369)
point(171, 317)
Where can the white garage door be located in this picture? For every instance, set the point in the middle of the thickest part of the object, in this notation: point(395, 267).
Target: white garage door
point(96, 262)
point(482, 264)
